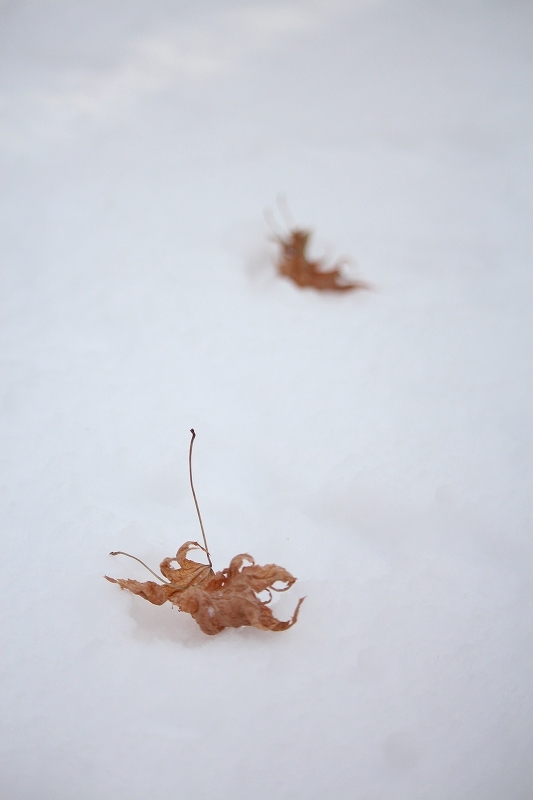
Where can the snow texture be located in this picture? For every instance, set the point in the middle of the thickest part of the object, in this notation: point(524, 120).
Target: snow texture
point(375, 444)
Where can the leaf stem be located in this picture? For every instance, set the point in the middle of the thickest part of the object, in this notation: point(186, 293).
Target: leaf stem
point(196, 501)
point(122, 553)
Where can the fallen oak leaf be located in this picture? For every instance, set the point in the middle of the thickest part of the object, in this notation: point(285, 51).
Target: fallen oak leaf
point(227, 599)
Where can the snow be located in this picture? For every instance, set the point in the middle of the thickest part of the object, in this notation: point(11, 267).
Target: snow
point(375, 444)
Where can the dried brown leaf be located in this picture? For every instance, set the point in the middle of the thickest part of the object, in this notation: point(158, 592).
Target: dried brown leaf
point(227, 599)
point(156, 593)
point(294, 263)
point(190, 572)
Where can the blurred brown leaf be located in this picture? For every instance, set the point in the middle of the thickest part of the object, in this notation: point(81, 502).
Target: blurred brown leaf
point(294, 264)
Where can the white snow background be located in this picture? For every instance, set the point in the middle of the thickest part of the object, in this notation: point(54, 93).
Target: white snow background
point(375, 444)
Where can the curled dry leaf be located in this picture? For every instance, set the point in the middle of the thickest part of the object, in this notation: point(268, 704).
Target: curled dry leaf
point(216, 600)
point(294, 263)
point(190, 573)
point(227, 599)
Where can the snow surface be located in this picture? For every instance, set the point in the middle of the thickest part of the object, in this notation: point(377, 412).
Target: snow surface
point(375, 444)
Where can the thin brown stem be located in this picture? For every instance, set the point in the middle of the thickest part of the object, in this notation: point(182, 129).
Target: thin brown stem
point(122, 553)
point(196, 501)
